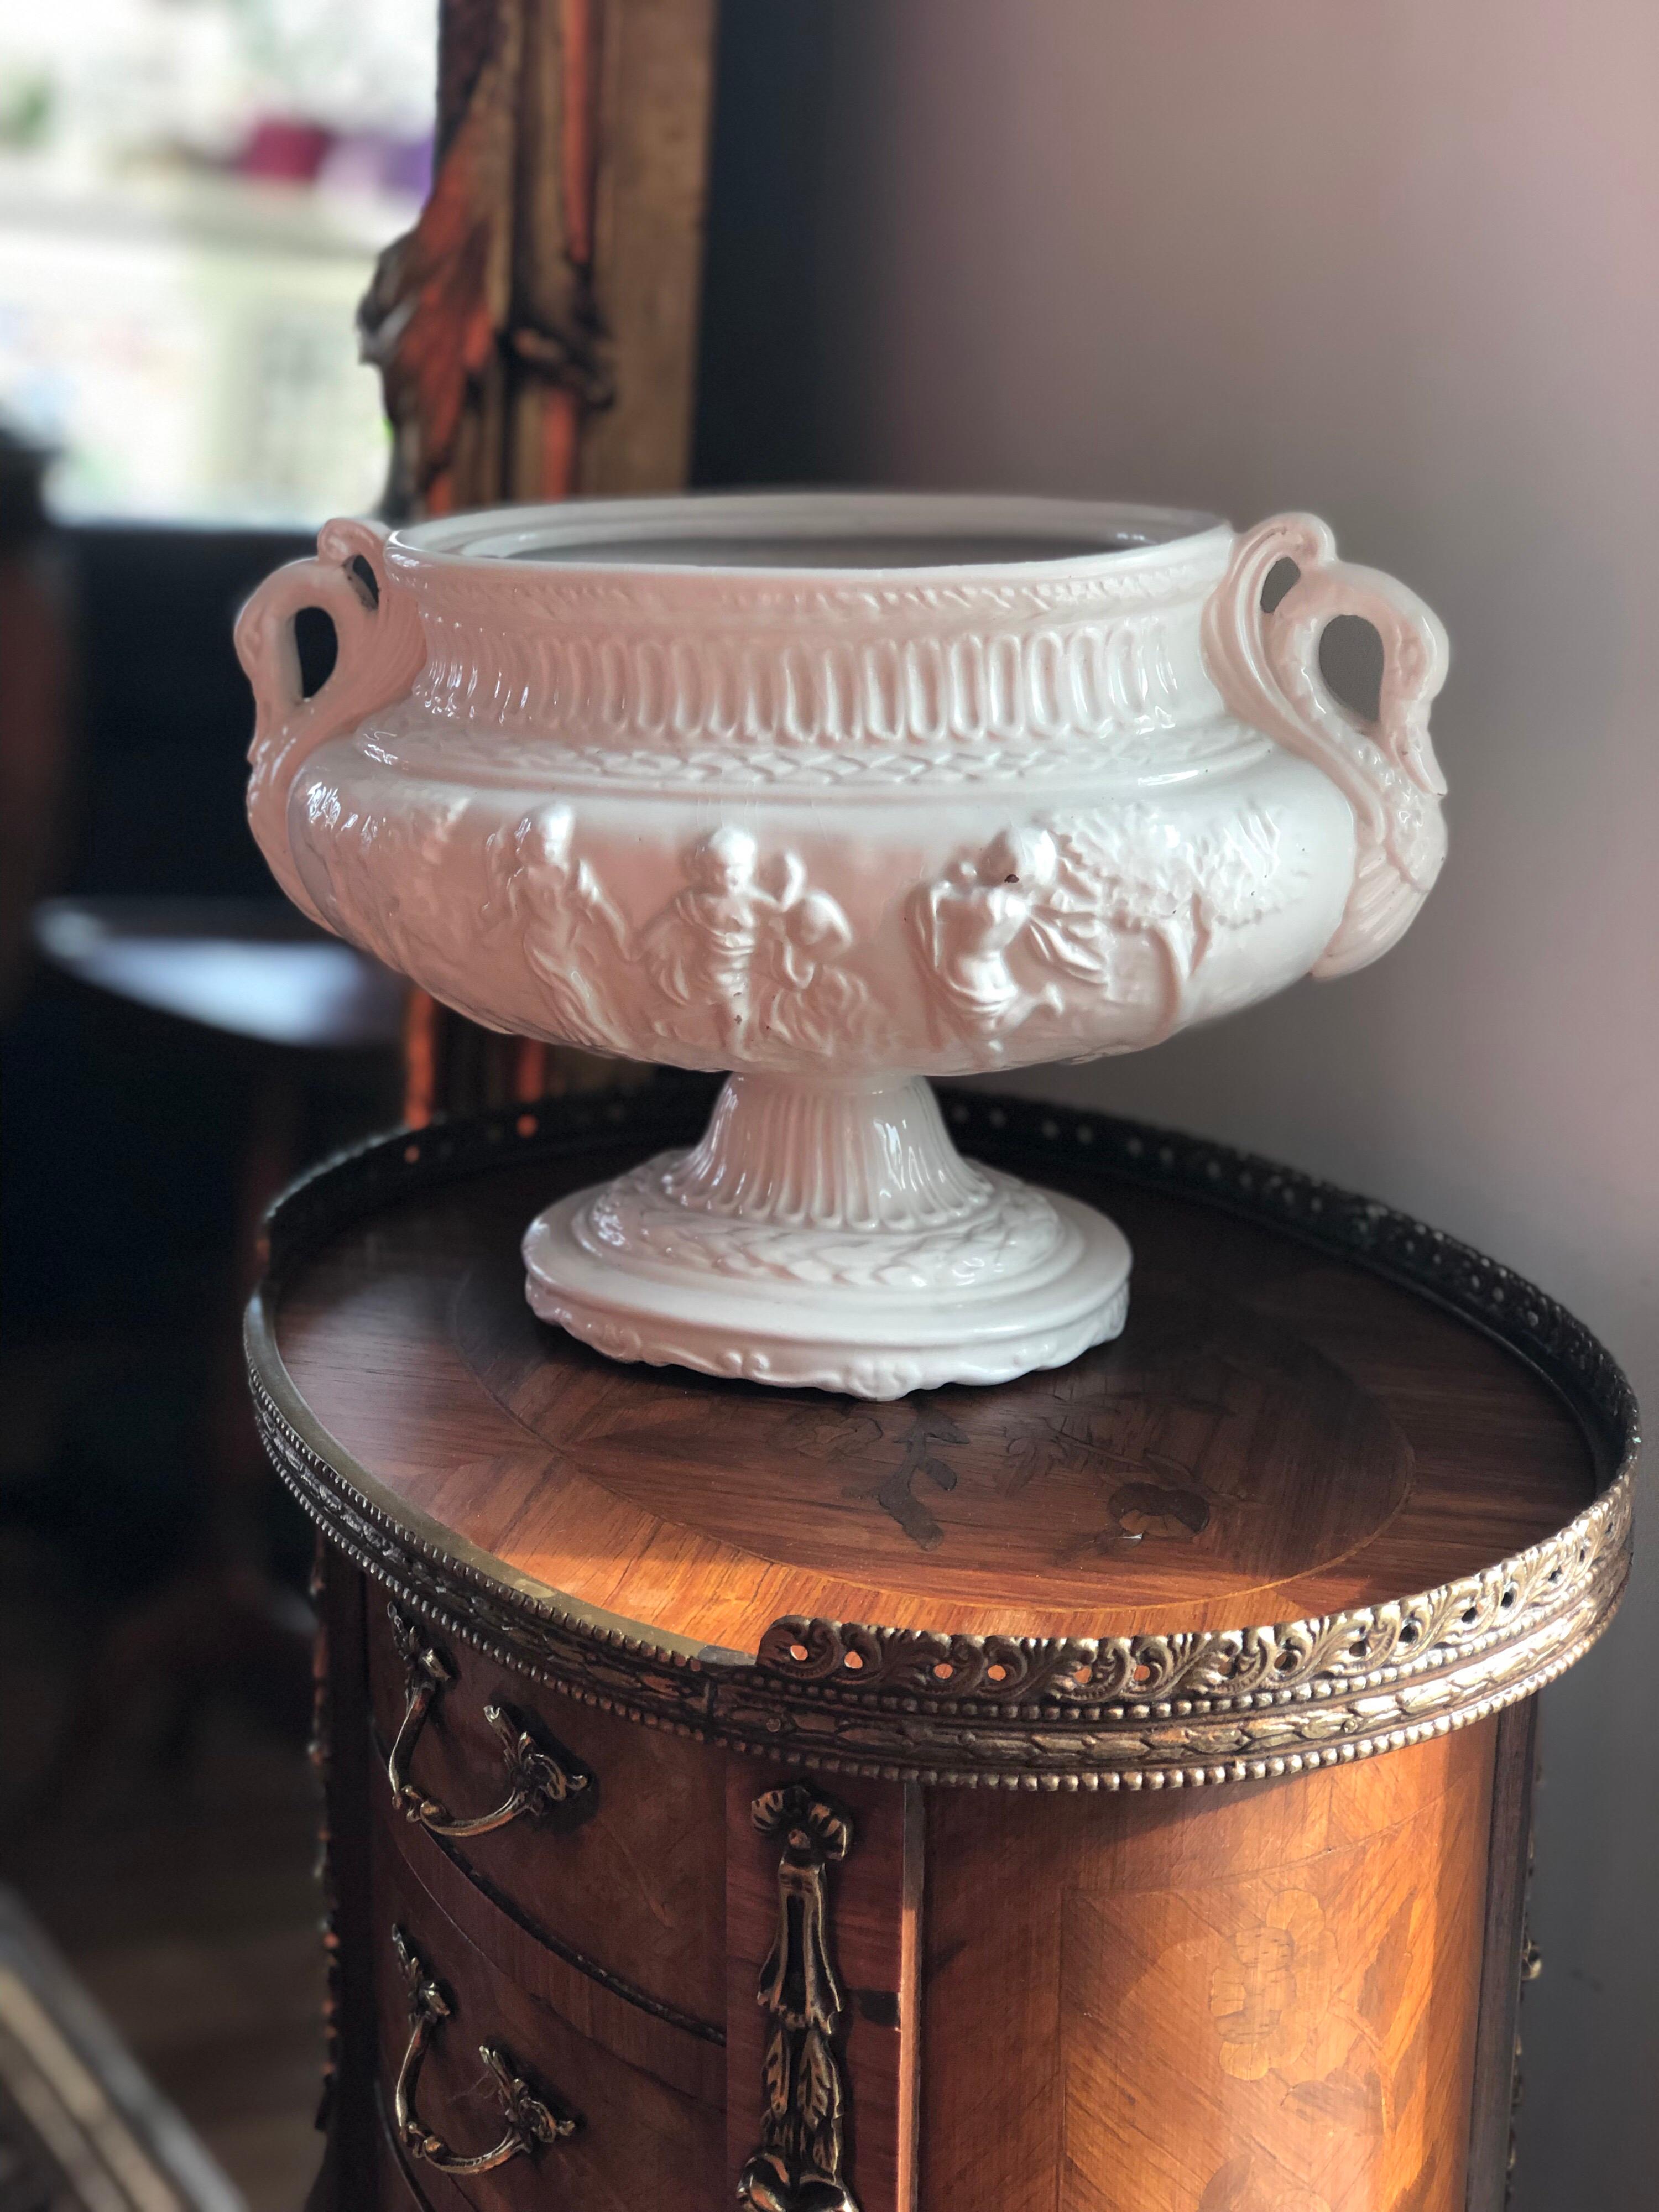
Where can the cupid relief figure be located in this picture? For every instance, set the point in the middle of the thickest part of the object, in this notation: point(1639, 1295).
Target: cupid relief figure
point(756, 962)
point(1005, 931)
point(740, 958)
point(808, 1002)
point(701, 950)
point(986, 910)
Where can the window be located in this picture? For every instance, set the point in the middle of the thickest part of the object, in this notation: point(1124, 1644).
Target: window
point(192, 194)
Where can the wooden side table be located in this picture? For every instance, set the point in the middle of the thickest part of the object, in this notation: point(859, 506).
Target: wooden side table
point(750, 1796)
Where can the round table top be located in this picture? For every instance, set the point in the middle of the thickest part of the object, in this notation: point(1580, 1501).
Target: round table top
point(1306, 1504)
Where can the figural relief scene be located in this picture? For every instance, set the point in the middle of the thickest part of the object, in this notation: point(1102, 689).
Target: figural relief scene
point(1077, 933)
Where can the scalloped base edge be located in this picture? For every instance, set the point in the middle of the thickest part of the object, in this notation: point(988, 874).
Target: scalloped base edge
point(815, 1336)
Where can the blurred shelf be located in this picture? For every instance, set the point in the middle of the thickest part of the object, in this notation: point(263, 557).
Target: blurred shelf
point(248, 968)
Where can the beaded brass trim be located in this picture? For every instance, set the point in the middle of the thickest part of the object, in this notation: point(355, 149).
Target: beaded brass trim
point(319, 1749)
point(1128, 1712)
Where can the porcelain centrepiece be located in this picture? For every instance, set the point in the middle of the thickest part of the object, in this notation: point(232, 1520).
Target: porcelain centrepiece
point(836, 792)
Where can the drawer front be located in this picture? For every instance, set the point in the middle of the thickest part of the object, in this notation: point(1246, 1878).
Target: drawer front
point(396, 2189)
point(616, 1852)
point(603, 2136)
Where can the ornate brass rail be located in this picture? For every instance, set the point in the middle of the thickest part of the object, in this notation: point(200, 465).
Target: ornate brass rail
point(1208, 1707)
point(530, 2120)
point(538, 1778)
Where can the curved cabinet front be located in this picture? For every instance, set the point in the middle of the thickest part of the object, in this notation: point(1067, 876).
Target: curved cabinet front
point(624, 1875)
point(619, 2135)
point(1265, 1996)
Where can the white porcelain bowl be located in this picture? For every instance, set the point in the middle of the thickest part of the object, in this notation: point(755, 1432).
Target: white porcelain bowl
point(836, 791)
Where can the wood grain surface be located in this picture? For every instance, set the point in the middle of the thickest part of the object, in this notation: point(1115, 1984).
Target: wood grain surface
point(639, 2141)
point(1278, 1434)
point(1259, 2001)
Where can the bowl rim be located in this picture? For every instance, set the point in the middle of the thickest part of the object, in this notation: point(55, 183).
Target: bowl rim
point(512, 538)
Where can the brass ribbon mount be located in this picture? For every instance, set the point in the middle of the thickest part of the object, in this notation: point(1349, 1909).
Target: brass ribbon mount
point(798, 2166)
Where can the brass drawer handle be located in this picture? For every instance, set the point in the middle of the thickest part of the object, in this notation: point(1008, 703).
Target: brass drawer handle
point(538, 1778)
point(530, 2120)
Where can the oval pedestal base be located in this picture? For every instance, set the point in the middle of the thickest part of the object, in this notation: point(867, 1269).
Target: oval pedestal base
point(832, 1238)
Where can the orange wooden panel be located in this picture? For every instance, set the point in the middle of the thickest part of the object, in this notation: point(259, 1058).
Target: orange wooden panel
point(1261, 2001)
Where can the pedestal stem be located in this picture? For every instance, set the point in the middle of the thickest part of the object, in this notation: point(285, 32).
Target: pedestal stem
point(850, 1156)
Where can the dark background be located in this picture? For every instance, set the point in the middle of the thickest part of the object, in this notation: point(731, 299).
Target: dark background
point(157, 1810)
point(124, 1133)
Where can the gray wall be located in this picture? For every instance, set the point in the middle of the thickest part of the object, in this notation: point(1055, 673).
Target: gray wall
point(1395, 263)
